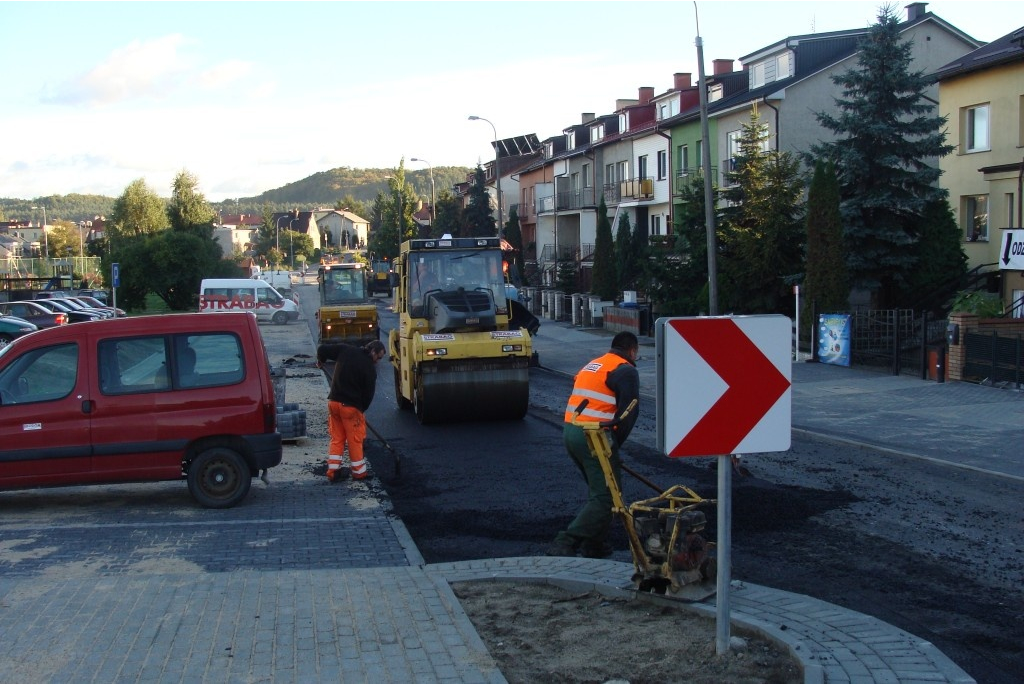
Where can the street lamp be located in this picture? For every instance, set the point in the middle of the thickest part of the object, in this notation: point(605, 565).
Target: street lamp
point(431, 169)
point(277, 236)
point(46, 242)
point(497, 172)
point(291, 245)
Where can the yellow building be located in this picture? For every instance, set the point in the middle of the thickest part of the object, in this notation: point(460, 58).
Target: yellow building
point(982, 96)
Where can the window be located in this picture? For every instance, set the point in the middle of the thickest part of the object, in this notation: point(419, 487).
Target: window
point(699, 162)
point(138, 365)
point(732, 151)
point(715, 92)
point(41, 375)
point(641, 166)
point(975, 129)
point(975, 218)
point(656, 224)
point(662, 164)
point(1009, 210)
point(586, 176)
point(782, 67)
point(597, 133)
point(622, 171)
point(684, 160)
point(609, 174)
point(571, 140)
point(757, 76)
point(574, 181)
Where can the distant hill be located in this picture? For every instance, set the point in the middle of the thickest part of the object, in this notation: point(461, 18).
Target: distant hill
point(324, 188)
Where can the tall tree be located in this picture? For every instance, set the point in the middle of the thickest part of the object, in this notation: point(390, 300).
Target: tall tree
point(447, 215)
point(762, 233)
point(514, 236)
point(188, 209)
point(137, 211)
point(888, 140)
point(478, 219)
point(826, 281)
point(605, 282)
point(624, 266)
point(942, 264)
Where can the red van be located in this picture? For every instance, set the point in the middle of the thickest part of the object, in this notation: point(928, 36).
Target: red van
point(149, 398)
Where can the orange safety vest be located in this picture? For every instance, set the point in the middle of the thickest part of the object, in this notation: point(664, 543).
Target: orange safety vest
point(591, 385)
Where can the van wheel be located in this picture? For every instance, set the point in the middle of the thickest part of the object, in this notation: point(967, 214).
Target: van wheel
point(219, 478)
point(280, 318)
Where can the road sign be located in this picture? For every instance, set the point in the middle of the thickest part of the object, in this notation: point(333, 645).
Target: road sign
point(724, 385)
point(1012, 255)
point(115, 273)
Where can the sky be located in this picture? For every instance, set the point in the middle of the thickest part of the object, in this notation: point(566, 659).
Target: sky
point(250, 96)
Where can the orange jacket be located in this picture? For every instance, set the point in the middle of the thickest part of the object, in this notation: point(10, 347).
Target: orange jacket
point(592, 385)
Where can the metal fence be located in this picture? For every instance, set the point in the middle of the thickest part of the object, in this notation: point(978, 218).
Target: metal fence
point(899, 340)
point(993, 359)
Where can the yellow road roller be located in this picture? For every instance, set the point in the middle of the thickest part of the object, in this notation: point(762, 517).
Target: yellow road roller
point(462, 349)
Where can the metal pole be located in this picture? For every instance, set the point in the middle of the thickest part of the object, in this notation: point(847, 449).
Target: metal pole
point(709, 201)
point(497, 174)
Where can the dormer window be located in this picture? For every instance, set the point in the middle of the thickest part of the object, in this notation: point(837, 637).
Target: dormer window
point(571, 140)
point(715, 92)
point(597, 133)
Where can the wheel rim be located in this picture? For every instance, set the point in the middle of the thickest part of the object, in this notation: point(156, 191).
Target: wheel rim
point(219, 479)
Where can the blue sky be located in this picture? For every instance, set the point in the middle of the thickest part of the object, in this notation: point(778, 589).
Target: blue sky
point(249, 96)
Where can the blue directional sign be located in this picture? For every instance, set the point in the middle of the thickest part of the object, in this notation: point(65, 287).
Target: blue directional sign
point(115, 272)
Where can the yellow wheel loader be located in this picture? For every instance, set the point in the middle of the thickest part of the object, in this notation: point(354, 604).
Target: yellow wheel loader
point(462, 349)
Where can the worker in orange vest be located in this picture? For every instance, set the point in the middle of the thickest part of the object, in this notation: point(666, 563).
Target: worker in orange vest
point(610, 384)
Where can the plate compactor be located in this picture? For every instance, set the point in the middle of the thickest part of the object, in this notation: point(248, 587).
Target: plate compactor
point(670, 554)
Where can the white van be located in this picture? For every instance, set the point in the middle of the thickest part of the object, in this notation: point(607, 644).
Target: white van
point(246, 295)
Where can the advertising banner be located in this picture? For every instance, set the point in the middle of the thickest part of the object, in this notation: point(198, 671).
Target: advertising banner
point(834, 339)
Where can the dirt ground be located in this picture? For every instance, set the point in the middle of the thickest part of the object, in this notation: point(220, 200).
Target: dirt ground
point(541, 633)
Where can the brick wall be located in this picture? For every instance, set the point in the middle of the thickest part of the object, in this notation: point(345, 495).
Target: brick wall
point(970, 323)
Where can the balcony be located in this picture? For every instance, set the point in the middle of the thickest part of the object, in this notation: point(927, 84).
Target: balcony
point(637, 189)
point(689, 175)
point(567, 201)
point(570, 253)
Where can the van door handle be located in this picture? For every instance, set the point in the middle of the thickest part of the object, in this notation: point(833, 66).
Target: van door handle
point(88, 406)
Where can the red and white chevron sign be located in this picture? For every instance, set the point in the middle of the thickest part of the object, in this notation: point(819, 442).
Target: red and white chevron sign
point(724, 385)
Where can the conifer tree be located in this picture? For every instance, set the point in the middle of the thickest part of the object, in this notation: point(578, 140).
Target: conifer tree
point(826, 281)
point(888, 140)
point(514, 236)
point(623, 244)
point(605, 282)
point(942, 264)
point(478, 221)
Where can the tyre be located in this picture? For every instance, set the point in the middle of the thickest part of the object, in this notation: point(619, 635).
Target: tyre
point(219, 478)
point(280, 318)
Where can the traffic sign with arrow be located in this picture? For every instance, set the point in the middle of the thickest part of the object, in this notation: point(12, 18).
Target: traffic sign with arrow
point(724, 385)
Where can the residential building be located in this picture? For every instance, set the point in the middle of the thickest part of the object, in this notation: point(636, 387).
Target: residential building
point(236, 233)
point(981, 94)
point(340, 228)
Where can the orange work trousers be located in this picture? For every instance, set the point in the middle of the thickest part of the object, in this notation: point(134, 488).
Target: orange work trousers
point(347, 425)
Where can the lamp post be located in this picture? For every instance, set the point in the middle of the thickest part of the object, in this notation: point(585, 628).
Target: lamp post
point(497, 173)
point(291, 244)
point(46, 242)
point(431, 169)
point(277, 233)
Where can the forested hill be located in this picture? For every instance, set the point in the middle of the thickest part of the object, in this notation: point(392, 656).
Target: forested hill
point(325, 188)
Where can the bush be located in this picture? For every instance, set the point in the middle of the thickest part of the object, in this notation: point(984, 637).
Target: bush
point(984, 305)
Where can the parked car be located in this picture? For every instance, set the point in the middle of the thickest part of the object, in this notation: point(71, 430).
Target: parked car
point(93, 302)
point(100, 295)
point(74, 315)
point(49, 294)
point(12, 327)
point(35, 313)
point(75, 303)
point(138, 399)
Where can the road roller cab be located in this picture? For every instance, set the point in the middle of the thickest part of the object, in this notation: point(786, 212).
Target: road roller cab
point(459, 352)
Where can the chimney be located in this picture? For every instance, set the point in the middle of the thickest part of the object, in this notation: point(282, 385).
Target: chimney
point(588, 117)
point(681, 81)
point(916, 10)
point(646, 94)
point(722, 66)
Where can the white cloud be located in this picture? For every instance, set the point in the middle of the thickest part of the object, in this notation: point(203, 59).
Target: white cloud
point(140, 68)
point(223, 74)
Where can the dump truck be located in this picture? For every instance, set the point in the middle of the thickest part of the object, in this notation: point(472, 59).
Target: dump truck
point(462, 350)
point(346, 313)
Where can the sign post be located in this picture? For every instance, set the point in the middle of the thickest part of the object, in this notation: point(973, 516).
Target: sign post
point(724, 388)
point(115, 279)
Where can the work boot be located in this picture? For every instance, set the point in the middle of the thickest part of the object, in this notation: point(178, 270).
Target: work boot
point(561, 549)
point(337, 475)
point(596, 550)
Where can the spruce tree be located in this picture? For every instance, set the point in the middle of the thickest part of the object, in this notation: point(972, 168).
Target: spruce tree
point(514, 236)
point(188, 209)
point(942, 264)
point(888, 140)
point(762, 233)
point(478, 220)
point(605, 282)
point(623, 244)
point(826, 281)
